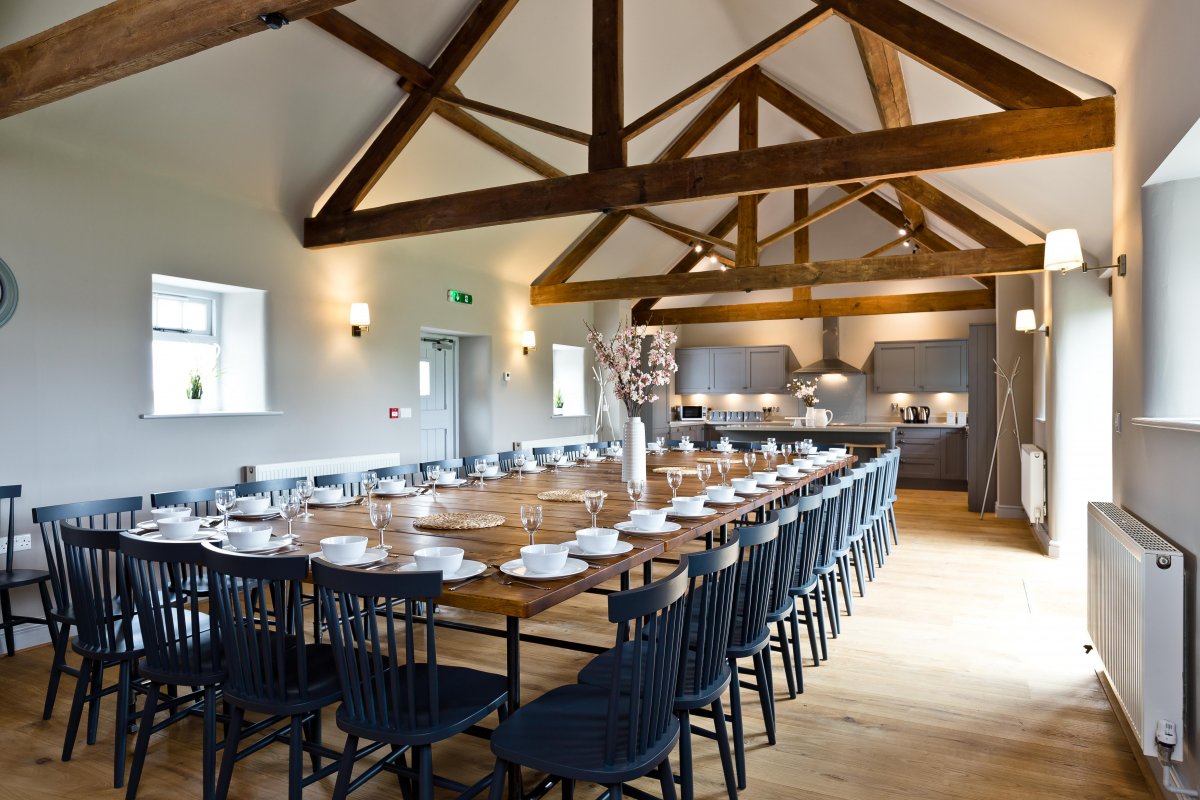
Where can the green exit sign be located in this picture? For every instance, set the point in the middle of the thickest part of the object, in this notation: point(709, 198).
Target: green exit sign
point(455, 296)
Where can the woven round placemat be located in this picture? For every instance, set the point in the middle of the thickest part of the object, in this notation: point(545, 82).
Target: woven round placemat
point(562, 495)
point(459, 521)
point(685, 470)
point(713, 460)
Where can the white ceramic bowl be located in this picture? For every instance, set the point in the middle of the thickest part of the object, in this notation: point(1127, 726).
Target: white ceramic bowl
point(744, 484)
point(840, 452)
point(179, 527)
point(391, 485)
point(766, 478)
point(687, 446)
point(491, 469)
point(802, 463)
point(648, 519)
point(446, 559)
point(449, 476)
point(253, 505)
point(343, 549)
point(327, 494)
point(596, 540)
point(544, 557)
point(653, 446)
point(688, 505)
point(787, 470)
point(244, 536)
point(170, 511)
point(720, 494)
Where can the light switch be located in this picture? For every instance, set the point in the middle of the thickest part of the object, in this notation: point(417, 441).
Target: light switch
point(406, 413)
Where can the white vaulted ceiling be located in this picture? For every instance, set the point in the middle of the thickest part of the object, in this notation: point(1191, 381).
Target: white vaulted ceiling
point(273, 118)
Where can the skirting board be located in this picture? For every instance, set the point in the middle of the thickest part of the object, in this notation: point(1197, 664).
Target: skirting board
point(1050, 547)
point(1150, 770)
point(30, 634)
point(1009, 512)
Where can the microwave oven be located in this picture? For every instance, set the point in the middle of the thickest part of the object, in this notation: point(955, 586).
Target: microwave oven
point(691, 412)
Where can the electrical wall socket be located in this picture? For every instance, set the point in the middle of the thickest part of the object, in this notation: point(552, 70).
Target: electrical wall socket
point(22, 541)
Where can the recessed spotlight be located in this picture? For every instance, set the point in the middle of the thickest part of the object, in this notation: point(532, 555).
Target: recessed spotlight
point(698, 248)
point(902, 230)
point(712, 258)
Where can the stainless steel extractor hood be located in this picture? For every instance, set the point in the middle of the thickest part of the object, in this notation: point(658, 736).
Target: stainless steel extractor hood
point(830, 350)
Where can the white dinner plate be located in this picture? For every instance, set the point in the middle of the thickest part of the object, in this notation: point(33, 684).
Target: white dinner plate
point(593, 458)
point(199, 536)
point(736, 499)
point(704, 512)
point(404, 492)
point(772, 484)
point(527, 469)
point(627, 526)
point(485, 477)
point(754, 491)
point(468, 569)
point(270, 513)
point(372, 555)
point(340, 503)
point(684, 449)
point(561, 465)
point(791, 477)
point(574, 549)
point(272, 543)
point(517, 569)
point(447, 484)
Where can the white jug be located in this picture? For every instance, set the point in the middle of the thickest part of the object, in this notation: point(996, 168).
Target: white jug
point(819, 417)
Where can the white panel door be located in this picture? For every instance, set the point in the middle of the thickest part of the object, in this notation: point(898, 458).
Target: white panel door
point(439, 398)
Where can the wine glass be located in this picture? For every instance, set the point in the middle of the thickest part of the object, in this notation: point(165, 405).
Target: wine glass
point(593, 501)
point(226, 500)
point(480, 466)
point(556, 456)
point(289, 509)
point(531, 519)
point(433, 474)
point(723, 467)
point(304, 488)
point(637, 490)
point(661, 441)
point(519, 463)
point(748, 458)
point(674, 479)
point(704, 472)
point(381, 517)
point(370, 481)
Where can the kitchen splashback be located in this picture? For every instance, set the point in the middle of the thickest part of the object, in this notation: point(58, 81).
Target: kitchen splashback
point(844, 395)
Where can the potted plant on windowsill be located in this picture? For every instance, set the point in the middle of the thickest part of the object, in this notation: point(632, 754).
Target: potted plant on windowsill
point(559, 402)
point(195, 390)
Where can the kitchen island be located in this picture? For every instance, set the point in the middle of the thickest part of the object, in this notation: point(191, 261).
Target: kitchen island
point(864, 433)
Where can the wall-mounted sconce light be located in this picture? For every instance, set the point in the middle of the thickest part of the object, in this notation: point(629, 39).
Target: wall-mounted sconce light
point(360, 319)
point(1027, 322)
point(528, 342)
point(1064, 253)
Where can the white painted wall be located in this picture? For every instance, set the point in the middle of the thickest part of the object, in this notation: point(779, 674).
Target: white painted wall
point(84, 236)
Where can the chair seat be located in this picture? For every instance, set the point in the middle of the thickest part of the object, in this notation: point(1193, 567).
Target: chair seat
point(22, 577)
point(178, 678)
point(465, 696)
point(598, 672)
point(121, 650)
point(562, 733)
point(320, 689)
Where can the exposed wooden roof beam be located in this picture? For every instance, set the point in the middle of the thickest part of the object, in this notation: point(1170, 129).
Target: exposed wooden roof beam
point(691, 259)
point(883, 248)
point(126, 37)
point(533, 123)
point(960, 58)
point(606, 148)
point(820, 214)
point(684, 234)
point(933, 146)
point(801, 239)
point(496, 140)
point(399, 130)
point(959, 263)
point(729, 70)
point(747, 231)
point(971, 300)
point(412, 71)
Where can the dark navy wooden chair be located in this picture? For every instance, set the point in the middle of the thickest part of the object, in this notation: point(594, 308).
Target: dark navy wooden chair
point(802, 585)
point(834, 498)
point(779, 601)
point(349, 482)
point(454, 465)
point(410, 472)
point(749, 636)
point(181, 646)
point(703, 669)
point(113, 514)
point(257, 604)
point(203, 502)
point(107, 634)
point(393, 689)
point(853, 493)
point(12, 578)
point(274, 490)
point(488, 458)
point(506, 458)
point(615, 733)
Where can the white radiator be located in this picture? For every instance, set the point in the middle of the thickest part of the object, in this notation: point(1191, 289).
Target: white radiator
point(319, 466)
point(560, 441)
point(1135, 619)
point(1033, 482)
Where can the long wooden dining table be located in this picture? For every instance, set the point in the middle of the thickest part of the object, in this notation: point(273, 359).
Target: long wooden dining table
point(496, 545)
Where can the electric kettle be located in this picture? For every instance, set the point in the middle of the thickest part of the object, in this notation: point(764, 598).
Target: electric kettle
point(908, 414)
point(923, 414)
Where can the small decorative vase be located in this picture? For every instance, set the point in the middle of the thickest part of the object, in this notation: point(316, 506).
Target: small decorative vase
point(633, 457)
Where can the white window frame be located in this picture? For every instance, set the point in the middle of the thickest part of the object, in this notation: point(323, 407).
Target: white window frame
point(212, 299)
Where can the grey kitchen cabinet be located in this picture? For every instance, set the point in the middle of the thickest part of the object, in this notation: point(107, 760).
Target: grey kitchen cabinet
point(954, 454)
point(694, 432)
point(766, 369)
point(695, 370)
point(937, 365)
point(731, 370)
point(932, 458)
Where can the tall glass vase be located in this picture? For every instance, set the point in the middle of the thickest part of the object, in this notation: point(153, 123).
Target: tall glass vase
point(633, 454)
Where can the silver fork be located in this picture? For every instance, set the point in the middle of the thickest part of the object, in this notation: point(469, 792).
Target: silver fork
point(509, 580)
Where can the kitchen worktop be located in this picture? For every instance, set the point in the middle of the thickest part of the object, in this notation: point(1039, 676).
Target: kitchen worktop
point(876, 426)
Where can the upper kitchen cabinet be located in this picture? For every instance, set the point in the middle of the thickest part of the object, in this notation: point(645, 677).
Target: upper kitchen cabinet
point(731, 370)
point(938, 365)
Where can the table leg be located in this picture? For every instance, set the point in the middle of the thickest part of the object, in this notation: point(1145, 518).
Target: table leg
point(513, 640)
point(648, 572)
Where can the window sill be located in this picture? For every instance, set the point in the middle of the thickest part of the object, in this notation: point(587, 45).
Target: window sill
point(187, 414)
point(570, 416)
point(1169, 423)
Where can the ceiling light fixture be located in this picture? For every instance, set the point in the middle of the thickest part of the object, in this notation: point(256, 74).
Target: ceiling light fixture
point(712, 258)
point(699, 248)
point(274, 20)
point(1064, 253)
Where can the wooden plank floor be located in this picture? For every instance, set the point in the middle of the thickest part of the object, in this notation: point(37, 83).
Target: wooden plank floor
point(960, 675)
